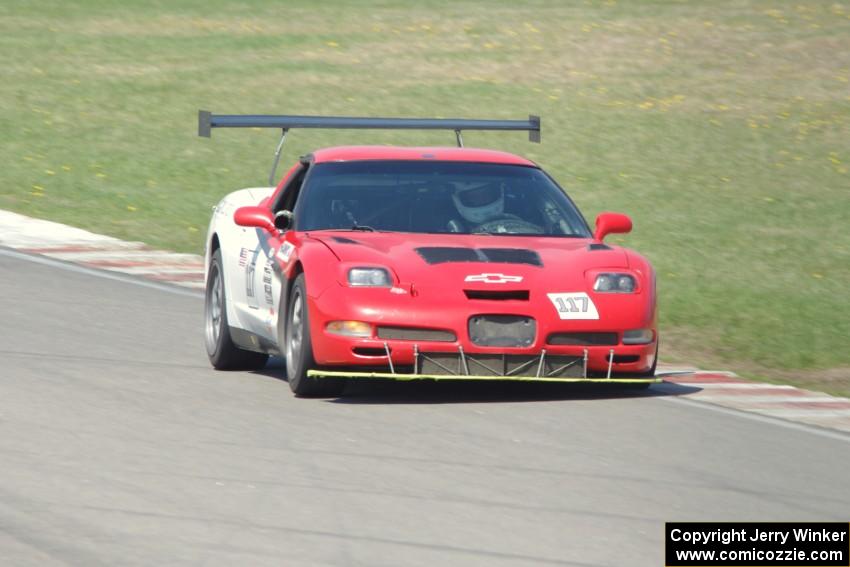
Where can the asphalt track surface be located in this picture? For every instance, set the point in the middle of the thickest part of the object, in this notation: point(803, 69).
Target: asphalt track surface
point(119, 445)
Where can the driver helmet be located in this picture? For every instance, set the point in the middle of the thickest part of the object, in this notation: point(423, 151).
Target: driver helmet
point(479, 202)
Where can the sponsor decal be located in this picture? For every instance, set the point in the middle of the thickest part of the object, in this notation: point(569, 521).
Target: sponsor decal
point(285, 251)
point(493, 278)
point(267, 283)
point(243, 257)
point(249, 279)
point(573, 305)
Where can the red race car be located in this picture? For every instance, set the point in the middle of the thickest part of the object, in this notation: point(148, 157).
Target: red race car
point(421, 263)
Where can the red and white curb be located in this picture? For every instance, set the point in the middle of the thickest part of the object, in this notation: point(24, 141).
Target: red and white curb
point(778, 401)
point(85, 248)
point(69, 244)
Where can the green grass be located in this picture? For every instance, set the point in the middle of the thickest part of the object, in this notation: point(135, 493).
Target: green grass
point(722, 128)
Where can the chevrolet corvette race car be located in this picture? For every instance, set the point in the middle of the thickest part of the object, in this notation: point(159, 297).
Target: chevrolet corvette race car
point(421, 263)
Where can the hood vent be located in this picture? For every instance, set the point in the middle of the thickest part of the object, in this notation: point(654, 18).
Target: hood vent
point(598, 246)
point(444, 254)
point(344, 240)
point(497, 295)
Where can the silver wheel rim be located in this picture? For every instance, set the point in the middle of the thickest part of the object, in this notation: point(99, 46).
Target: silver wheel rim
point(214, 310)
point(296, 328)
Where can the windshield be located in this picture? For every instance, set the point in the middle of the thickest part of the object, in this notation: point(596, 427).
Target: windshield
point(436, 197)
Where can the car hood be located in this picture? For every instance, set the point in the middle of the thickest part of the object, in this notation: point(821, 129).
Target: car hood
point(476, 261)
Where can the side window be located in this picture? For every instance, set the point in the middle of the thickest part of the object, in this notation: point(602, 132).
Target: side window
point(285, 205)
point(289, 196)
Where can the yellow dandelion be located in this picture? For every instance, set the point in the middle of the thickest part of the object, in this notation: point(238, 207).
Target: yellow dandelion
point(49, 172)
point(817, 276)
point(100, 175)
point(332, 44)
point(131, 208)
point(66, 168)
point(38, 187)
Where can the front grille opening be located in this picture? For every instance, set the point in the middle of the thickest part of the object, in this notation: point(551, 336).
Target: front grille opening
point(415, 334)
point(582, 339)
point(623, 358)
point(369, 351)
point(502, 330)
point(497, 295)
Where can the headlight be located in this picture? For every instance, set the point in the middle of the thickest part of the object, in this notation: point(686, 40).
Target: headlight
point(349, 328)
point(638, 337)
point(614, 283)
point(369, 277)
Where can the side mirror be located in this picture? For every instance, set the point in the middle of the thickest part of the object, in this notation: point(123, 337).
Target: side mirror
point(611, 223)
point(258, 217)
point(283, 220)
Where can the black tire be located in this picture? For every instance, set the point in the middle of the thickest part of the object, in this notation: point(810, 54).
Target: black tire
point(299, 349)
point(223, 354)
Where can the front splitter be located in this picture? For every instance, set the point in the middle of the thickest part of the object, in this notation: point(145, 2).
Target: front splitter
point(493, 378)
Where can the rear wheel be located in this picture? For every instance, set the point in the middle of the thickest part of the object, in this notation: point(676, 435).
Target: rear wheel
point(299, 349)
point(223, 354)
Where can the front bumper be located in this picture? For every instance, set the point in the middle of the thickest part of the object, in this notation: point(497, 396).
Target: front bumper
point(395, 356)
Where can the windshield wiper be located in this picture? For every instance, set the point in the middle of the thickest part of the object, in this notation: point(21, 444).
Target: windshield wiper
point(362, 228)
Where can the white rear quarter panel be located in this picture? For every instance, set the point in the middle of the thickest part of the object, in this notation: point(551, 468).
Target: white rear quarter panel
point(232, 238)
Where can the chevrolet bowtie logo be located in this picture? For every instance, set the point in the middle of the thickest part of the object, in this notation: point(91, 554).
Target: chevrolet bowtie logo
point(493, 278)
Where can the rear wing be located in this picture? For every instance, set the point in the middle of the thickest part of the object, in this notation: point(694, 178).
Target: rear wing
point(207, 121)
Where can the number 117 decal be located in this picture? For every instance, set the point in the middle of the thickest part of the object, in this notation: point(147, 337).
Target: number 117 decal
point(573, 305)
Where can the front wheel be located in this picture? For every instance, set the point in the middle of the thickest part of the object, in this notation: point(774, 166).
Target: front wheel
point(299, 349)
point(223, 354)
